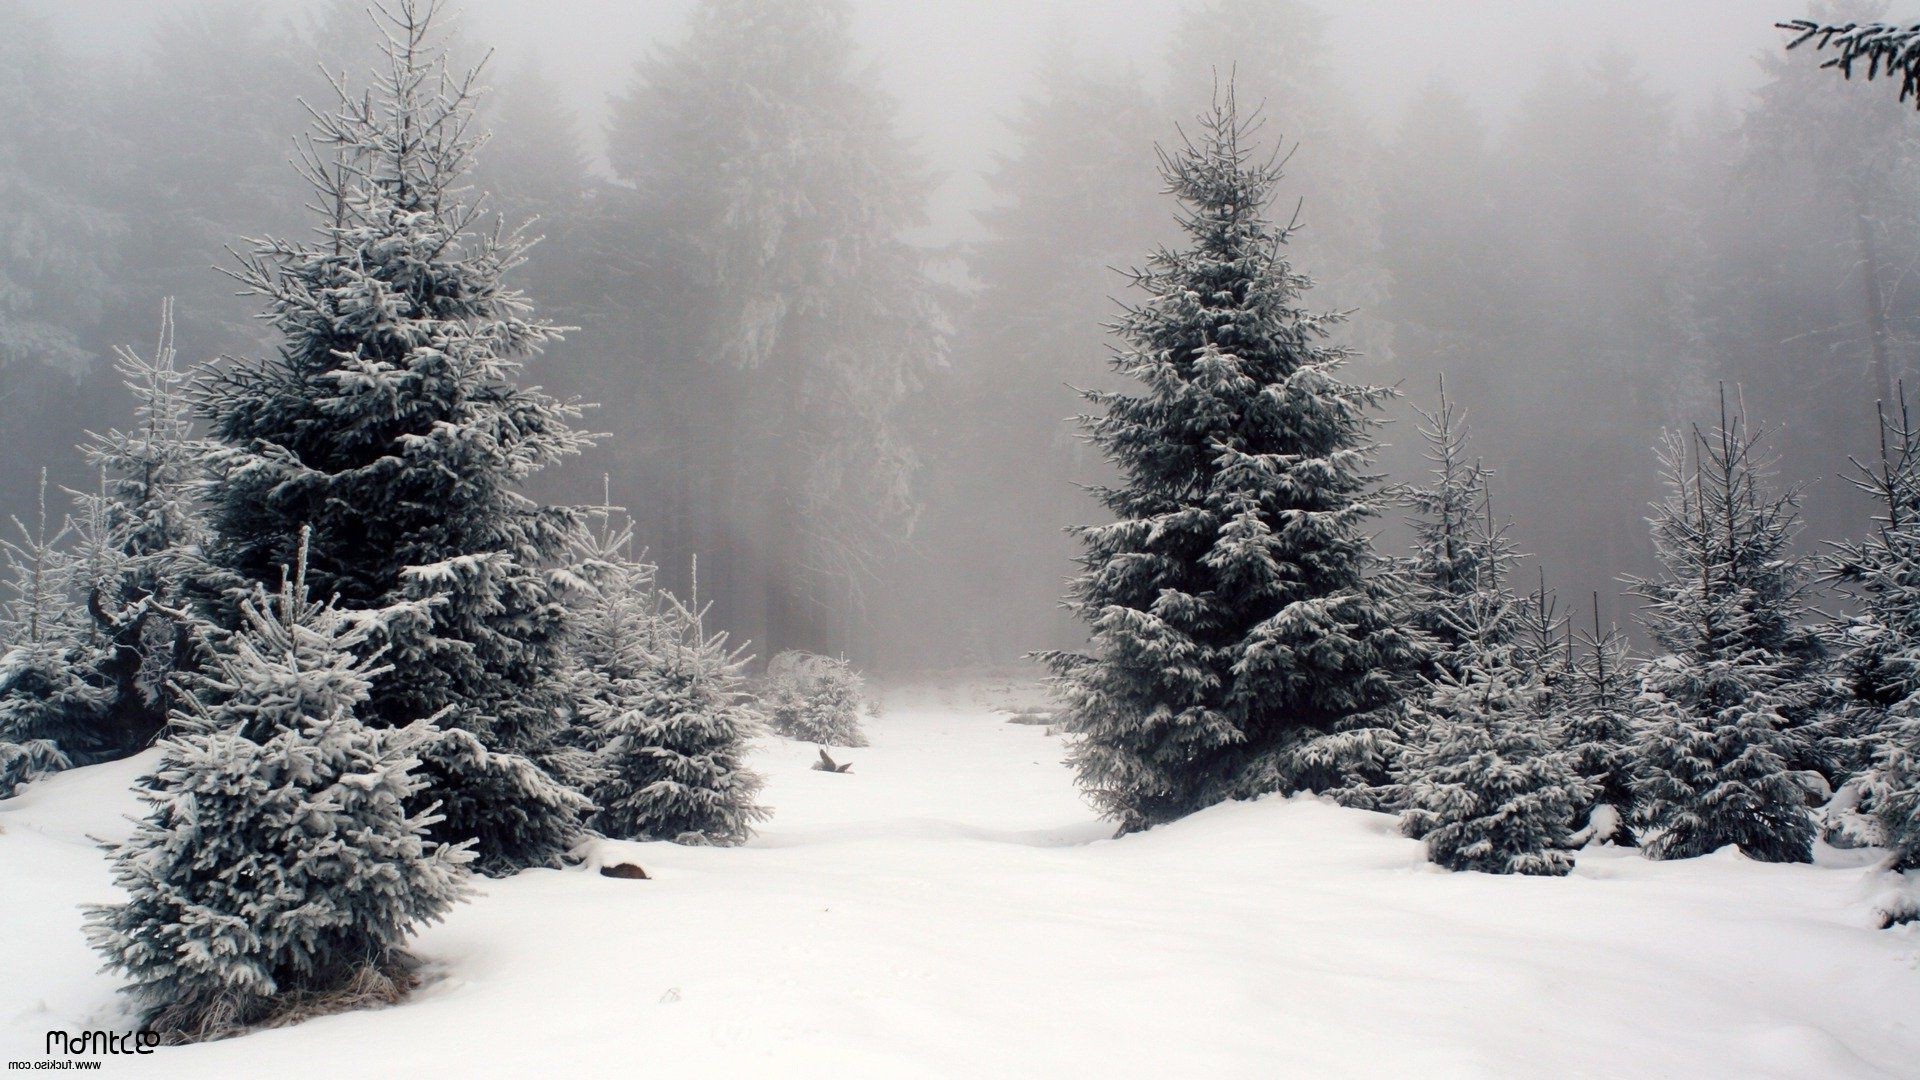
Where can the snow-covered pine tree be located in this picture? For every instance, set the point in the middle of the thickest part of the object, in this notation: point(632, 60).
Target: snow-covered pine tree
point(1881, 48)
point(1713, 758)
point(816, 699)
point(1878, 652)
point(51, 713)
point(1236, 623)
point(280, 870)
point(1486, 784)
point(1602, 719)
point(139, 543)
point(1444, 569)
point(391, 422)
point(676, 732)
point(1875, 645)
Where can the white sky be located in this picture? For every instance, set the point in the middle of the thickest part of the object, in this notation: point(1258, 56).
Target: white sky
point(958, 66)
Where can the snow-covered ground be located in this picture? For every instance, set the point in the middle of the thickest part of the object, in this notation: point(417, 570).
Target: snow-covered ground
point(950, 908)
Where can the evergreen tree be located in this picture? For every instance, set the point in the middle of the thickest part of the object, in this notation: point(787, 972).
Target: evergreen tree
point(1445, 568)
point(1487, 787)
point(51, 713)
point(803, 317)
point(140, 538)
point(676, 739)
point(1603, 717)
point(661, 707)
point(390, 421)
point(279, 871)
point(816, 699)
point(1714, 754)
point(1235, 618)
point(1879, 651)
point(1874, 645)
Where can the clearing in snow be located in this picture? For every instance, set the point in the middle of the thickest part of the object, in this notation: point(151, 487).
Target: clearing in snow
point(950, 907)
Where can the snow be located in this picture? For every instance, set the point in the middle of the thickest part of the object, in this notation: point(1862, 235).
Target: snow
point(951, 908)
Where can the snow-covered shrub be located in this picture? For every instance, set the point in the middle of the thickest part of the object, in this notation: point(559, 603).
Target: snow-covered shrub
point(279, 870)
point(817, 699)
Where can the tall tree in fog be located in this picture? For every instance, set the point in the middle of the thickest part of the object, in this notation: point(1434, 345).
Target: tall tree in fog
point(801, 316)
point(206, 110)
point(1235, 620)
point(58, 242)
point(1830, 284)
point(1076, 197)
point(1595, 345)
point(1277, 55)
point(390, 424)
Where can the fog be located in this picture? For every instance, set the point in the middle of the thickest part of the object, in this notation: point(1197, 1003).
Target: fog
point(1588, 217)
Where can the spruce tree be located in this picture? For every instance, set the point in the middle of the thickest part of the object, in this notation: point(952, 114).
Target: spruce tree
point(52, 713)
point(1603, 717)
point(816, 699)
point(1235, 618)
point(1444, 569)
point(390, 421)
point(676, 740)
point(140, 539)
point(1486, 783)
point(1714, 756)
point(279, 870)
point(661, 706)
point(1879, 649)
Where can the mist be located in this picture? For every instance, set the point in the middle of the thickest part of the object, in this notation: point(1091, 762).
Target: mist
point(1593, 220)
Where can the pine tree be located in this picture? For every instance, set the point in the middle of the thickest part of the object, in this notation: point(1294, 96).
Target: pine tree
point(676, 740)
point(390, 421)
point(1714, 754)
point(817, 699)
point(1445, 567)
point(279, 871)
point(139, 542)
point(1879, 648)
point(1874, 646)
point(661, 706)
point(1486, 783)
point(1603, 718)
point(51, 713)
point(1235, 620)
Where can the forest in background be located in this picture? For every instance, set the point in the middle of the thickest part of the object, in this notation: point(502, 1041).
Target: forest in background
point(860, 432)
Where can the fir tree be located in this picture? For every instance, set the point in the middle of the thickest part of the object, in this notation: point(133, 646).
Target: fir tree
point(1879, 648)
point(139, 542)
point(1486, 784)
point(1602, 720)
point(1444, 570)
point(391, 422)
point(1714, 754)
point(51, 713)
point(676, 739)
point(279, 871)
point(1875, 645)
point(661, 707)
point(1235, 619)
point(816, 699)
